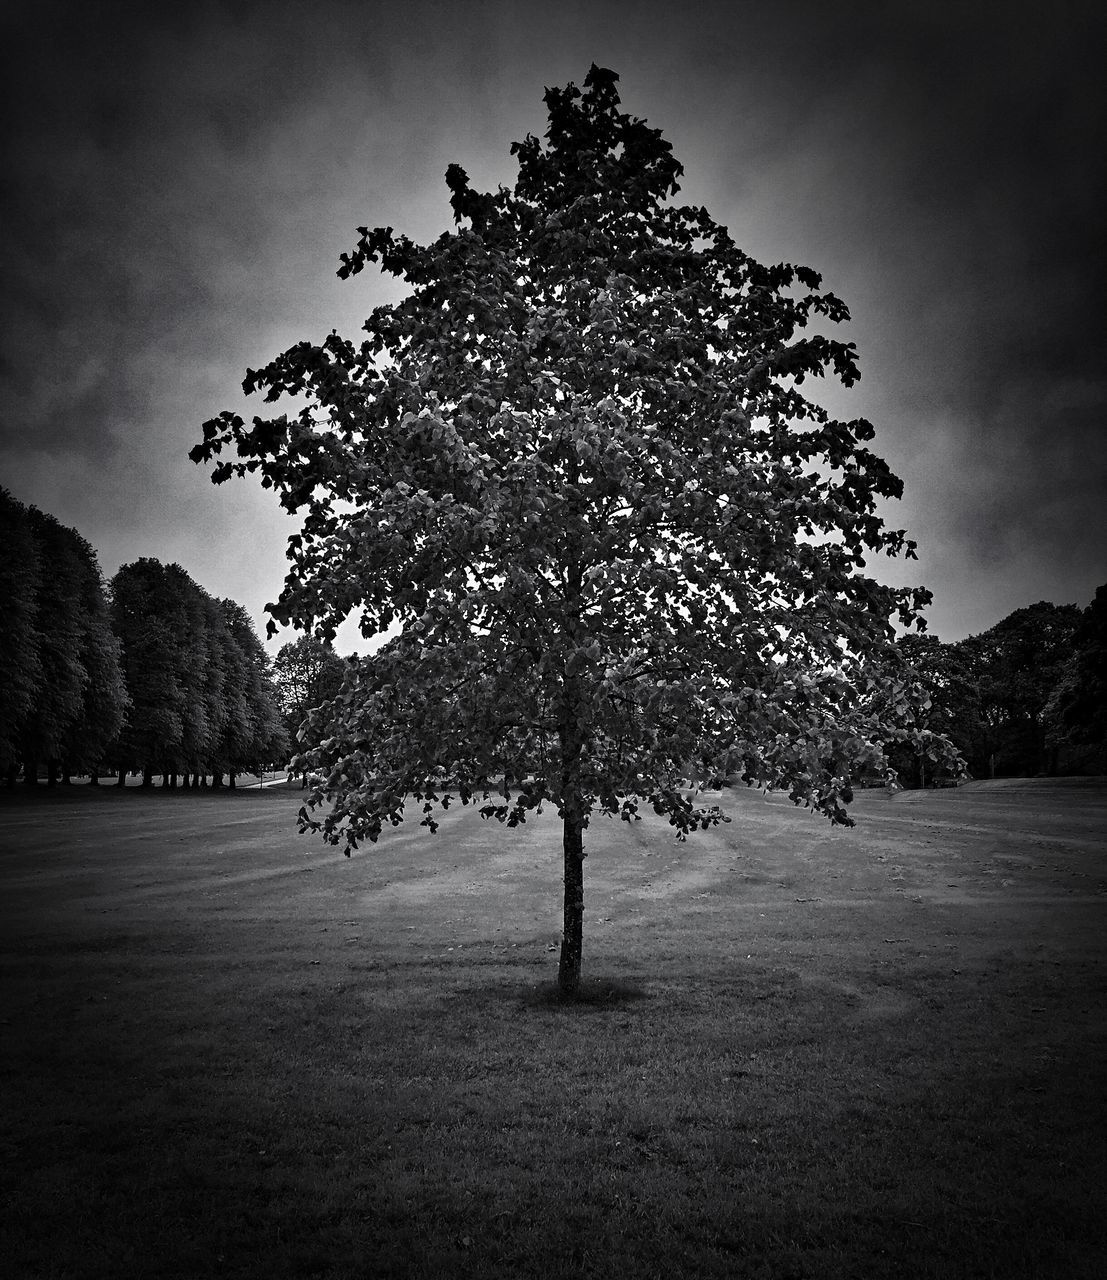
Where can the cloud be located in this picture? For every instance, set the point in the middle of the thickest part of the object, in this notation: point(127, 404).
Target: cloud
point(181, 180)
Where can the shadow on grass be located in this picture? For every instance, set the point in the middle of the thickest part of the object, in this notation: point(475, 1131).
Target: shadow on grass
point(601, 993)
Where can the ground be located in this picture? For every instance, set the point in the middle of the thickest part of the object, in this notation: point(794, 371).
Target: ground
point(804, 1051)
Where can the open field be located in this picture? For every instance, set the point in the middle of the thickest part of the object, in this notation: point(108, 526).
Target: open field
point(806, 1052)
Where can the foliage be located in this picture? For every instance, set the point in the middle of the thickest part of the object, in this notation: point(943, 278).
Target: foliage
point(953, 710)
point(104, 698)
point(307, 673)
point(145, 618)
point(575, 466)
point(19, 638)
point(1076, 713)
point(1015, 667)
point(61, 691)
point(260, 735)
point(202, 699)
point(1027, 696)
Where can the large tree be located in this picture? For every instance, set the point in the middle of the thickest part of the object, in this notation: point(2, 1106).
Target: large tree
point(575, 468)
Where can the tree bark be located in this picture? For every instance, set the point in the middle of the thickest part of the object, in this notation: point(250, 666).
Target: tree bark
point(572, 937)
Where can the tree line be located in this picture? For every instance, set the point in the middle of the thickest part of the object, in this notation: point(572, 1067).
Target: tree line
point(1026, 697)
point(146, 674)
point(151, 674)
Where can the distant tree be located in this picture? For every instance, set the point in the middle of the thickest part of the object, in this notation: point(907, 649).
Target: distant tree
point(233, 746)
point(576, 466)
point(202, 699)
point(61, 691)
point(1075, 713)
point(307, 673)
point(258, 738)
point(215, 692)
point(1015, 667)
point(143, 613)
point(953, 711)
point(104, 700)
point(189, 619)
point(21, 666)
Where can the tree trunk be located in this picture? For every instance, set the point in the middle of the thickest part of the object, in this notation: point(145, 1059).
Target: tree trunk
point(122, 780)
point(572, 937)
point(571, 738)
point(230, 780)
point(216, 780)
point(147, 776)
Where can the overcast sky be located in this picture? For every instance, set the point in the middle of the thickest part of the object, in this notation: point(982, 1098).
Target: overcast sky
point(179, 181)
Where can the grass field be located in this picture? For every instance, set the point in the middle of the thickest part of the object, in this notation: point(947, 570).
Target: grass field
point(804, 1051)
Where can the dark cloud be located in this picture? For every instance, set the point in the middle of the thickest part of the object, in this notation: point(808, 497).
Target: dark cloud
point(179, 181)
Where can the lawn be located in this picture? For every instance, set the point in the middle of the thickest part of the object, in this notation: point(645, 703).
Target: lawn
point(809, 1052)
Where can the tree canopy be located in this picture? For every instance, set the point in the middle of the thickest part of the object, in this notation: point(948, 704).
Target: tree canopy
point(202, 697)
point(1015, 667)
point(576, 468)
point(1076, 711)
point(62, 695)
